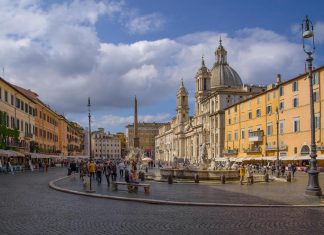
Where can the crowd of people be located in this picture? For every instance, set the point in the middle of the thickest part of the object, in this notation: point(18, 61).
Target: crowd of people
point(108, 169)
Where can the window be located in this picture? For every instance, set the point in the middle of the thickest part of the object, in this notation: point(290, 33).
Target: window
point(250, 115)
point(242, 133)
point(17, 103)
point(229, 121)
point(281, 127)
point(282, 105)
point(12, 100)
point(315, 96)
point(18, 122)
point(22, 105)
point(205, 84)
point(281, 91)
point(258, 113)
point(269, 129)
point(269, 109)
point(295, 102)
point(235, 136)
point(296, 125)
point(26, 108)
point(229, 136)
point(234, 119)
point(315, 78)
point(6, 96)
point(317, 121)
point(295, 86)
point(250, 129)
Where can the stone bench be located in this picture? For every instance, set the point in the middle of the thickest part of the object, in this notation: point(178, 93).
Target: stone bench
point(132, 187)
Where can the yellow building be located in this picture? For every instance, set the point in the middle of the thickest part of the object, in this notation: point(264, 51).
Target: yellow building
point(46, 125)
point(251, 125)
point(17, 112)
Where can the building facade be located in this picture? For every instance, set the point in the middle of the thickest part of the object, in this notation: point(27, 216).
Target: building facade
point(251, 125)
point(146, 136)
point(17, 112)
point(105, 145)
point(216, 89)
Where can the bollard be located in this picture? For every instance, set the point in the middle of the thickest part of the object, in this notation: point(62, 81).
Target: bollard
point(266, 177)
point(223, 178)
point(196, 178)
point(170, 179)
point(288, 176)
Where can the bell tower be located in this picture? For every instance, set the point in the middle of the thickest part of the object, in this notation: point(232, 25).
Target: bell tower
point(182, 104)
point(202, 84)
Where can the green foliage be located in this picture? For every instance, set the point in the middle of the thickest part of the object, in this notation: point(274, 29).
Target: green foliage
point(5, 132)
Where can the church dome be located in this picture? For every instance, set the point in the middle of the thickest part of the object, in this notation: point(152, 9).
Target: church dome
point(222, 74)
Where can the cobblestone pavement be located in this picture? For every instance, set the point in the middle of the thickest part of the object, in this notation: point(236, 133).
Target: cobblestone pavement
point(274, 193)
point(29, 206)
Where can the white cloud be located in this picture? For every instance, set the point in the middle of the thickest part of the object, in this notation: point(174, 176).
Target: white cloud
point(113, 120)
point(140, 24)
point(57, 53)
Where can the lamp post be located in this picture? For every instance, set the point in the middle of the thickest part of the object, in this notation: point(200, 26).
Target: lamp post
point(90, 151)
point(278, 150)
point(313, 188)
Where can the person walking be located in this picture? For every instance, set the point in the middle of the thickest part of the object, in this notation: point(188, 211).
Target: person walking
point(107, 172)
point(121, 167)
point(92, 168)
point(242, 173)
point(99, 169)
point(114, 172)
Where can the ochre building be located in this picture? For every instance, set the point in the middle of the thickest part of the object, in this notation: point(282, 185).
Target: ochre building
point(251, 125)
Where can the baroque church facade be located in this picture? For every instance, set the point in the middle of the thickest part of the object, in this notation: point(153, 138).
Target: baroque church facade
point(216, 89)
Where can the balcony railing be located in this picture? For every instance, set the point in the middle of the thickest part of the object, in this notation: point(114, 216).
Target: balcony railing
point(256, 136)
point(320, 148)
point(230, 151)
point(29, 135)
point(17, 144)
point(253, 150)
point(274, 148)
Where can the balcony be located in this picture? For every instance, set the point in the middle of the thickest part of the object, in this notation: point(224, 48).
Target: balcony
point(320, 148)
point(230, 151)
point(28, 135)
point(274, 148)
point(256, 136)
point(17, 144)
point(253, 150)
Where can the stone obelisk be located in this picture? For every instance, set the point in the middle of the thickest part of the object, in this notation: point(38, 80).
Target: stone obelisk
point(136, 139)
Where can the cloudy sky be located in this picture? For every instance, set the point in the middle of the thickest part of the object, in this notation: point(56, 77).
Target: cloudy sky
point(113, 50)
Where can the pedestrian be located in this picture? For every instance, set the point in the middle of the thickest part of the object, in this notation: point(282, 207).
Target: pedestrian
point(107, 172)
point(121, 167)
point(46, 167)
point(114, 172)
point(293, 168)
point(242, 173)
point(283, 169)
point(99, 169)
point(92, 168)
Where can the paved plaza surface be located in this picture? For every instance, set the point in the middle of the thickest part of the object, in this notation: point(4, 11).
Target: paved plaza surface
point(29, 206)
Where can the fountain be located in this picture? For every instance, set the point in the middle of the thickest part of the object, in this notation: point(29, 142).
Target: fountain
point(204, 167)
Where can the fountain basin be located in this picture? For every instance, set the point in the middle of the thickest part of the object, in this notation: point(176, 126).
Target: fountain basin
point(202, 174)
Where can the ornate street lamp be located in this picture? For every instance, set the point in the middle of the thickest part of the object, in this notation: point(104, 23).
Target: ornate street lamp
point(313, 187)
point(90, 150)
point(278, 150)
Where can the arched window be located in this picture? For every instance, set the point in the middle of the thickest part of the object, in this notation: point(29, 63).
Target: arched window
point(205, 84)
point(304, 150)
